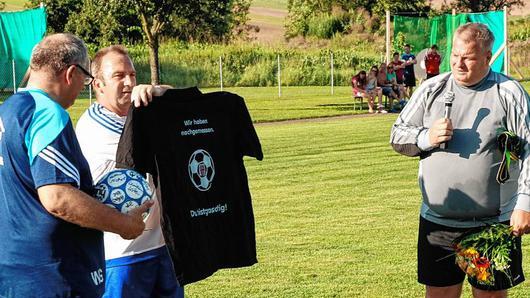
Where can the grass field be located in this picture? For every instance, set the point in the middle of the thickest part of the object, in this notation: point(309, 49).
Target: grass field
point(276, 4)
point(258, 18)
point(295, 102)
point(14, 4)
point(336, 209)
point(336, 215)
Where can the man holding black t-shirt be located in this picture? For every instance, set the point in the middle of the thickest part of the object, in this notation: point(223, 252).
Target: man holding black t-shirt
point(195, 155)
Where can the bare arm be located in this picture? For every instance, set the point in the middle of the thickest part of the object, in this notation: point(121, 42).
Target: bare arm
point(72, 205)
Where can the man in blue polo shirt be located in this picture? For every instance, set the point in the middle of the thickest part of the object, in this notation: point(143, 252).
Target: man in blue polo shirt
point(52, 243)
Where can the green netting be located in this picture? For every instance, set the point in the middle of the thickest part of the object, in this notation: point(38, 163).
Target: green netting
point(495, 21)
point(19, 32)
point(421, 33)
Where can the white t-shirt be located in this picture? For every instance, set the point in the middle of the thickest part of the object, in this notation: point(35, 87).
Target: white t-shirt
point(98, 131)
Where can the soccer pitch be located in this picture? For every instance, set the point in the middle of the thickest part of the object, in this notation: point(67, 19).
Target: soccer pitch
point(265, 105)
point(336, 215)
point(336, 209)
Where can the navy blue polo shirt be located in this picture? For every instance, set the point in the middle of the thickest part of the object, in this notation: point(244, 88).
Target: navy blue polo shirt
point(40, 254)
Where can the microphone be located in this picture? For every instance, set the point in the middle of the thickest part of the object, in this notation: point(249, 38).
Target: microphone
point(448, 97)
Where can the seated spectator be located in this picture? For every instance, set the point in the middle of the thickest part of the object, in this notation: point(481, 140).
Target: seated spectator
point(371, 87)
point(391, 77)
point(432, 62)
point(360, 84)
point(386, 86)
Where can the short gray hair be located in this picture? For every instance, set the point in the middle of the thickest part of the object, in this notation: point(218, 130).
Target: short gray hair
point(58, 51)
point(477, 32)
point(98, 57)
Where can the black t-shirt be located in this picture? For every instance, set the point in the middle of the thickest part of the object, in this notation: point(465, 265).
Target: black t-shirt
point(193, 144)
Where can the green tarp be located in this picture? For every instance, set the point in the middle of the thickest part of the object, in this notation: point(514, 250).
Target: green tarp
point(19, 32)
point(421, 33)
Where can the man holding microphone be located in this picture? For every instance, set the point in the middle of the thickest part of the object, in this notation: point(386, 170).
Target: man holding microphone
point(466, 109)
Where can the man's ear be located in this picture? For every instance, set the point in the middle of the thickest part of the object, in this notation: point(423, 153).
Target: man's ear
point(98, 85)
point(69, 74)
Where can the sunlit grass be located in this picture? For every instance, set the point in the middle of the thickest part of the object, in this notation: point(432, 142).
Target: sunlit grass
point(336, 215)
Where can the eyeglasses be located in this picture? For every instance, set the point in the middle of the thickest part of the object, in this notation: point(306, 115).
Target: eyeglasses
point(88, 77)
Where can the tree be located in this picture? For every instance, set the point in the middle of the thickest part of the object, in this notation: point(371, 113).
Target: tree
point(154, 16)
point(2, 5)
point(485, 5)
point(302, 11)
point(239, 20)
point(58, 12)
point(209, 20)
point(101, 23)
point(200, 20)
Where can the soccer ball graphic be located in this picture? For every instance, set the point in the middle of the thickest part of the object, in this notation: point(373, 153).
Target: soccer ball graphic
point(201, 169)
point(123, 189)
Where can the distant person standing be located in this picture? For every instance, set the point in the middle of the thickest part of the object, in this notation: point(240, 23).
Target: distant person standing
point(432, 62)
point(409, 79)
point(398, 67)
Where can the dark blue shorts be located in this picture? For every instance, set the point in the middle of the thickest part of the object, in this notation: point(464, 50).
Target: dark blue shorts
point(152, 277)
point(387, 90)
point(409, 80)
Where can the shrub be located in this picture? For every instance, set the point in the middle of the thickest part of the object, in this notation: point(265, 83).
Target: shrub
point(185, 65)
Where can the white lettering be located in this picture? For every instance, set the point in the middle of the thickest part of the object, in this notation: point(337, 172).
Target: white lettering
point(195, 122)
point(200, 121)
point(220, 209)
point(2, 130)
point(193, 132)
point(97, 276)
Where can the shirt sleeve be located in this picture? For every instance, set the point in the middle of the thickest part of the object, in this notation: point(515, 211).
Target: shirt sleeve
point(406, 131)
point(518, 121)
point(134, 148)
point(247, 137)
point(58, 161)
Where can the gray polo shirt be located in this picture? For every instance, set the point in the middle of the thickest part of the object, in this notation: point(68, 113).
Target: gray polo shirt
point(458, 184)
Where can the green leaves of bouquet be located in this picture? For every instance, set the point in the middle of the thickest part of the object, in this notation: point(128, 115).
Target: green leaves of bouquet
point(480, 254)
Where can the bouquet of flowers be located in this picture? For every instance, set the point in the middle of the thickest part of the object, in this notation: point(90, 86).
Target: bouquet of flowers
point(480, 254)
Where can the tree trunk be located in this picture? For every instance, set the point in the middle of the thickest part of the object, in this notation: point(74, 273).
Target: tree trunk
point(153, 61)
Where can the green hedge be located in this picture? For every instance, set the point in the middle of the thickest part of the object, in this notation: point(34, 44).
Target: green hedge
point(249, 65)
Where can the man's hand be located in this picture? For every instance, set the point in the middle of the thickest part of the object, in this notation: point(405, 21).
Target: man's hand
point(143, 94)
point(441, 131)
point(72, 205)
point(136, 225)
point(520, 221)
